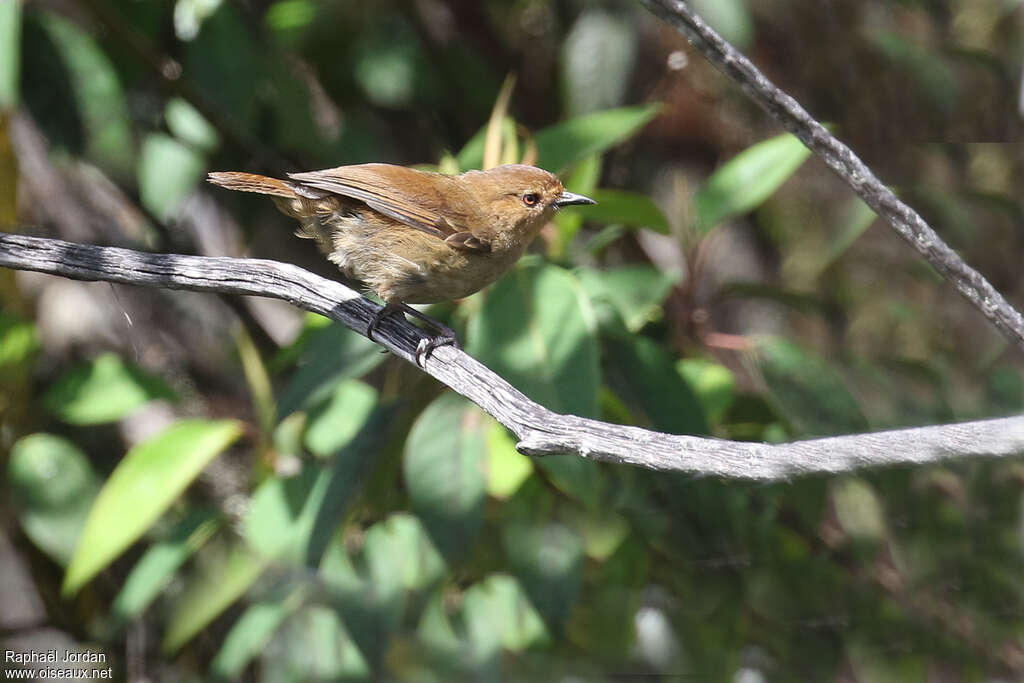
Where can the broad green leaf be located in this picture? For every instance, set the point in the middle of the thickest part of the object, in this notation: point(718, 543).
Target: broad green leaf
point(18, 340)
point(313, 645)
point(807, 390)
point(149, 478)
point(386, 62)
point(252, 632)
point(713, 384)
point(443, 467)
point(548, 560)
point(331, 354)
point(643, 374)
point(603, 530)
point(104, 390)
point(223, 579)
point(52, 485)
point(10, 53)
point(168, 173)
point(498, 615)
point(189, 126)
point(597, 60)
point(436, 632)
point(397, 557)
point(583, 180)
point(189, 16)
point(158, 565)
point(536, 329)
point(287, 512)
point(748, 179)
point(334, 423)
point(624, 208)
point(399, 552)
point(507, 468)
point(858, 510)
point(731, 18)
point(98, 94)
point(227, 65)
point(636, 292)
point(287, 16)
point(566, 143)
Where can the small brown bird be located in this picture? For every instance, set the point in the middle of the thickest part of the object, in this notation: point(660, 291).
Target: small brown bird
point(413, 236)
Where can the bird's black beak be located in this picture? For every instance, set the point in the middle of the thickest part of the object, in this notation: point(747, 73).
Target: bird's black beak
point(569, 198)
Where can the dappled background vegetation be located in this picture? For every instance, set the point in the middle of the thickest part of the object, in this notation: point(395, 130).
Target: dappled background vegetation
point(289, 504)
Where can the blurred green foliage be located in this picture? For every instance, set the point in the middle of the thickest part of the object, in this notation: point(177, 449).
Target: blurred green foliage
point(355, 522)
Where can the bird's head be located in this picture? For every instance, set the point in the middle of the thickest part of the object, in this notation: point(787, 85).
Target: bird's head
point(520, 199)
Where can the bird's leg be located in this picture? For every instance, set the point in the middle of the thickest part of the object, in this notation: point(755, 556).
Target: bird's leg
point(388, 310)
point(445, 335)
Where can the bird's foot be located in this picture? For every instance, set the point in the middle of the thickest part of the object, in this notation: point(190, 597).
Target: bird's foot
point(445, 335)
point(427, 345)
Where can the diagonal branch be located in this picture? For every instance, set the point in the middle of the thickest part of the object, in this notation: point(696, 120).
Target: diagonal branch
point(540, 431)
point(787, 111)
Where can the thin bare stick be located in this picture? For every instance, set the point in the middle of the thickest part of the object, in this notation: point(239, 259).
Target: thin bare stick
point(787, 111)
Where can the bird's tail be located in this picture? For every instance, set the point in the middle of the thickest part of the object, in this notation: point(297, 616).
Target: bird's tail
point(250, 182)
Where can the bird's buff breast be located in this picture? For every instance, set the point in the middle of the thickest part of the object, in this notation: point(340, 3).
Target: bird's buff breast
point(404, 265)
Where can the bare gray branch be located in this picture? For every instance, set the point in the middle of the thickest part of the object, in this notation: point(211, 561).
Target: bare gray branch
point(540, 431)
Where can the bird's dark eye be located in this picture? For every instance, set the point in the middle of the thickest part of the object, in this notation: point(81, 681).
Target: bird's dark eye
point(531, 198)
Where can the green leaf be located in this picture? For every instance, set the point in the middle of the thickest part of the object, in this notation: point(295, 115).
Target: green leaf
point(597, 60)
point(98, 94)
point(548, 559)
point(566, 143)
point(497, 615)
point(536, 329)
point(583, 180)
point(624, 208)
point(643, 374)
point(52, 485)
point(748, 179)
point(252, 632)
point(313, 645)
point(636, 292)
point(335, 422)
point(10, 56)
point(284, 512)
point(807, 390)
point(189, 126)
point(227, 574)
point(155, 569)
point(398, 552)
point(149, 478)
point(18, 339)
point(713, 384)
point(331, 354)
point(507, 468)
point(731, 18)
point(168, 173)
point(398, 557)
point(858, 510)
point(104, 390)
point(443, 468)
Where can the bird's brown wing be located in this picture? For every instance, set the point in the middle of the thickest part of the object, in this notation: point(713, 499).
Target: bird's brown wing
point(431, 202)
